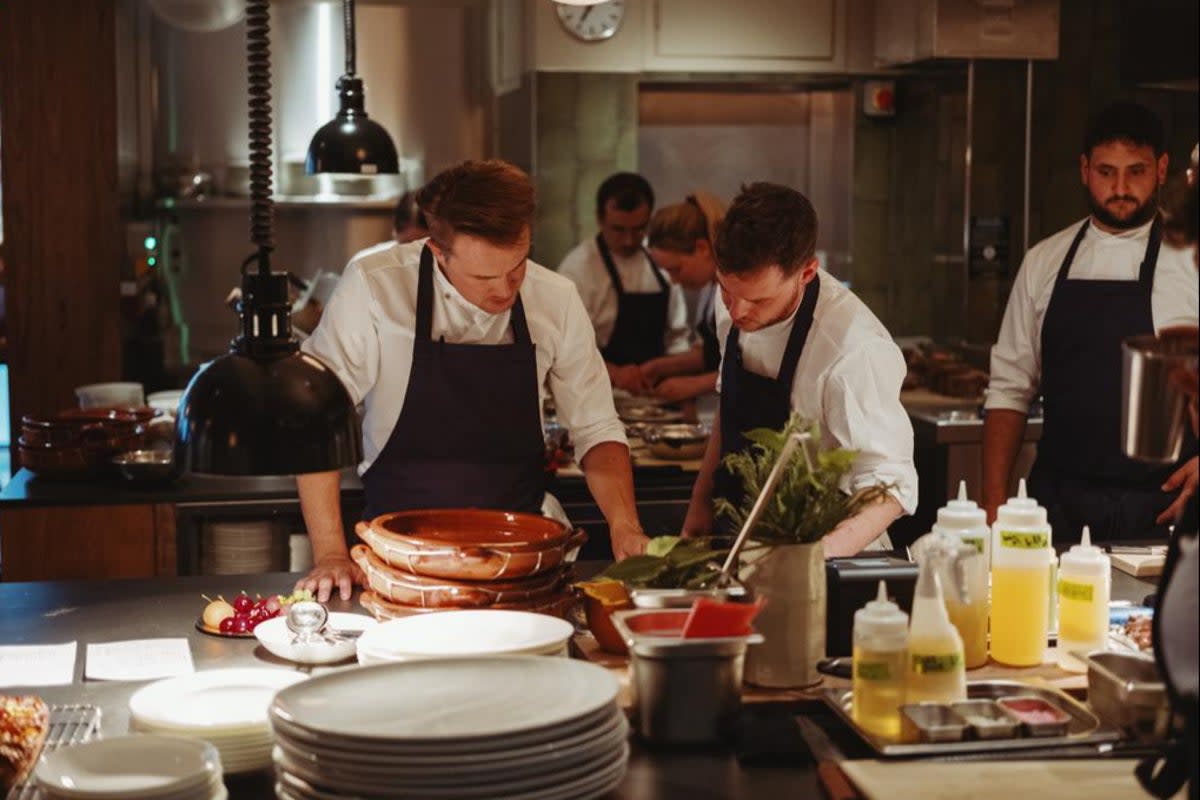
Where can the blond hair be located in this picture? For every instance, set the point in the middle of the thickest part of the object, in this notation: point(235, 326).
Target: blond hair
point(678, 227)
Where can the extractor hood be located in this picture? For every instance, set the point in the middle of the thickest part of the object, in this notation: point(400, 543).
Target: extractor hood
point(908, 31)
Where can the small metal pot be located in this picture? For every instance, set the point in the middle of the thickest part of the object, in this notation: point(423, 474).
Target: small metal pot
point(1153, 410)
point(1126, 691)
point(679, 441)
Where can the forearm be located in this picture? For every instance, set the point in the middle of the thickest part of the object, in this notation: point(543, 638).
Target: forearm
point(854, 534)
point(609, 475)
point(321, 504)
point(1003, 431)
point(702, 489)
point(689, 361)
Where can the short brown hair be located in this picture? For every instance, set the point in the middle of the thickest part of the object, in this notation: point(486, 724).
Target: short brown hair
point(492, 200)
point(678, 227)
point(767, 224)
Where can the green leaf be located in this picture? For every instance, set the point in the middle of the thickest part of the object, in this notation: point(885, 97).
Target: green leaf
point(661, 545)
point(636, 570)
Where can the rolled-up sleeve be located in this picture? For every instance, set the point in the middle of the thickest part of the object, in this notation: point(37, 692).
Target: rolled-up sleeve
point(863, 412)
point(678, 338)
point(345, 340)
point(579, 382)
point(1017, 354)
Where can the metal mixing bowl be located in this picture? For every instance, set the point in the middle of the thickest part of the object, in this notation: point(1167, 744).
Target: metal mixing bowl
point(146, 467)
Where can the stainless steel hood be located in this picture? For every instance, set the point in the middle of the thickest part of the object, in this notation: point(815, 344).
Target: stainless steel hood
point(907, 31)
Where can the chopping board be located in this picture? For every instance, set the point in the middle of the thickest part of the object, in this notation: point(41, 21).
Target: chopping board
point(1093, 779)
point(1139, 565)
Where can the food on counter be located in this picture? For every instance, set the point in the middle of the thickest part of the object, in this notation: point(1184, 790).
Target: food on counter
point(669, 562)
point(601, 597)
point(1040, 717)
point(1139, 630)
point(943, 372)
point(24, 722)
point(244, 614)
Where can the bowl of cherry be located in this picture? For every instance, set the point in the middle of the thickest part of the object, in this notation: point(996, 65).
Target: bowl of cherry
point(238, 618)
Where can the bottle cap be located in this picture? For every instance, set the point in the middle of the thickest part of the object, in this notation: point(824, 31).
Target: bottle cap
point(880, 617)
point(1021, 511)
point(1086, 558)
point(961, 513)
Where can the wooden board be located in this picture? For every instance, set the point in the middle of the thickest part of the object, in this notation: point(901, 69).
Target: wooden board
point(1090, 779)
point(1140, 566)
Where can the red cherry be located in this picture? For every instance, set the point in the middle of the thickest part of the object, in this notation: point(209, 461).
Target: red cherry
point(227, 625)
point(241, 624)
point(242, 603)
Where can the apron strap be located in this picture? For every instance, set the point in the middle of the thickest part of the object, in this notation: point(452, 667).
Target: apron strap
point(654, 270)
point(424, 327)
point(799, 334)
point(1150, 261)
point(1065, 267)
point(602, 246)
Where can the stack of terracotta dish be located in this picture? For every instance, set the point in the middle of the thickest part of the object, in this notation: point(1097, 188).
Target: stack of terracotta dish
point(79, 442)
point(435, 560)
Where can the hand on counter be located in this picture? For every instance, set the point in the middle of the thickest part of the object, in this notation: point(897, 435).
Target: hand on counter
point(627, 539)
point(331, 571)
point(627, 377)
point(1184, 481)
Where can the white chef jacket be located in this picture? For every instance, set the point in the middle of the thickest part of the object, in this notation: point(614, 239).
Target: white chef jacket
point(848, 379)
point(1017, 355)
point(367, 332)
point(585, 266)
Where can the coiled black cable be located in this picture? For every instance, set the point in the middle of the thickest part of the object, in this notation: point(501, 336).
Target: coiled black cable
point(348, 28)
point(258, 57)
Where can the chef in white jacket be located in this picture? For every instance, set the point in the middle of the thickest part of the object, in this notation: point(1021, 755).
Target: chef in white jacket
point(1077, 295)
point(793, 339)
point(636, 312)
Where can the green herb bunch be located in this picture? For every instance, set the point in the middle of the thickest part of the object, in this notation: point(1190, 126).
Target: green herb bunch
point(670, 563)
point(808, 501)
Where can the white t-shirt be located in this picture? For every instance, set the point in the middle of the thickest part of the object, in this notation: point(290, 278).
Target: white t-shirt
point(585, 267)
point(1017, 355)
point(367, 332)
point(848, 379)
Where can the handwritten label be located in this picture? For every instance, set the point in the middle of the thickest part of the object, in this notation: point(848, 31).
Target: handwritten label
point(1071, 590)
point(974, 541)
point(1025, 540)
point(873, 670)
point(933, 665)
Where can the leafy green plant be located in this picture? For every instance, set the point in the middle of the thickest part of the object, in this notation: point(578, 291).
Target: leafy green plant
point(808, 501)
point(670, 562)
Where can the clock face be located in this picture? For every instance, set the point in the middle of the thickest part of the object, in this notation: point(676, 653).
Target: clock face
point(592, 23)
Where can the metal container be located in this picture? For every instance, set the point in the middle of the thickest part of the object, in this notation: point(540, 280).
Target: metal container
point(688, 691)
point(931, 722)
point(146, 467)
point(684, 598)
point(1153, 410)
point(679, 441)
point(987, 720)
point(1126, 691)
point(1054, 721)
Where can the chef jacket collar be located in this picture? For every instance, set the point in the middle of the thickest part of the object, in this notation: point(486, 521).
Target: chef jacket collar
point(447, 290)
point(1139, 233)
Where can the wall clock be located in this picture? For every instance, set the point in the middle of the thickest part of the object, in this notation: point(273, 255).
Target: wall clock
point(593, 23)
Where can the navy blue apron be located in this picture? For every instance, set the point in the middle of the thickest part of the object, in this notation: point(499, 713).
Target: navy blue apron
point(706, 328)
point(470, 432)
point(1081, 475)
point(750, 400)
point(640, 330)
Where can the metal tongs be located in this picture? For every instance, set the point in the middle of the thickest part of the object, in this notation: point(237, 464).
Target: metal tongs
point(785, 457)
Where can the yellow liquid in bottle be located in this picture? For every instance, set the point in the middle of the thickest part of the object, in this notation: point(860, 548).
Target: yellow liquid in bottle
point(972, 624)
point(878, 686)
point(935, 672)
point(1020, 601)
point(1082, 613)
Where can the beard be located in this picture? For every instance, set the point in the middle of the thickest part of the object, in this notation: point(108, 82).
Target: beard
point(1141, 214)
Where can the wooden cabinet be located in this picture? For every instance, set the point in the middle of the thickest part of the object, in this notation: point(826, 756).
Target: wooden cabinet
point(87, 542)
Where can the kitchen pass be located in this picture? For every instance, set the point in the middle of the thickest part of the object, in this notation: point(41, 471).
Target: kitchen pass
point(138, 660)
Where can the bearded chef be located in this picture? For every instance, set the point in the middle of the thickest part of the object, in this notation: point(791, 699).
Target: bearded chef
point(1078, 294)
point(448, 343)
point(636, 312)
point(794, 340)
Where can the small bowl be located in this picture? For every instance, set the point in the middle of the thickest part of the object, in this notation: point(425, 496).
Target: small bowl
point(143, 765)
point(146, 467)
point(1037, 716)
point(276, 638)
point(931, 722)
point(677, 442)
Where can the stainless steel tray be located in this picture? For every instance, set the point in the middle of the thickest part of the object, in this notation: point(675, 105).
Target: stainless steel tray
point(69, 724)
point(1085, 727)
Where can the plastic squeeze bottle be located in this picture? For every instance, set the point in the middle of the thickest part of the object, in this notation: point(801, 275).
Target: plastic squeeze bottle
point(1084, 589)
point(963, 519)
point(936, 668)
point(1021, 562)
point(879, 664)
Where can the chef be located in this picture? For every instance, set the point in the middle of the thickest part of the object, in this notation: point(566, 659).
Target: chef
point(636, 313)
point(1078, 294)
point(793, 339)
point(680, 239)
point(448, 343)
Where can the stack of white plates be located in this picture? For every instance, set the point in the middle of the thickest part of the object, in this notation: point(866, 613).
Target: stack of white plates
point(475, 632)
point(242, 547)
point(494, 727)
point(225, 707)
point(132, 768)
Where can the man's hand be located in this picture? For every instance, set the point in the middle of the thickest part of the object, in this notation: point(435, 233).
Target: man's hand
point(673, 390)
point(1184, 480)
point(627, 377)
point(652, 371)
point(627, 539)
point(698, 522)
point(331, 571)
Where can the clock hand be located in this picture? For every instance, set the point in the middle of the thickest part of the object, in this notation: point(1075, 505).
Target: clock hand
point(587, 10)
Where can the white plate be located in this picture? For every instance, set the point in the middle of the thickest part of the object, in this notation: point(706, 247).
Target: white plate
point(367, 656)
point(455, 769)
point(275, 636)
point(447, 701)
point(221, 740)
point(227, 700)
point(466, 633)
point(129, 767)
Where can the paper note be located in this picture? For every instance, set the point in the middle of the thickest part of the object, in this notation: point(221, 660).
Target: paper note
point(138, 660)
point(37, 664)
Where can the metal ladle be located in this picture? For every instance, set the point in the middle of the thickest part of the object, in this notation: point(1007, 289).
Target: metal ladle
point(309, 618)
point(785, 456)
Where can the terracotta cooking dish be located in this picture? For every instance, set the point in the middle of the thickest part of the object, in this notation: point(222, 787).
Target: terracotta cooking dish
point(555, 605)
point(398, 586)
point(470, 544)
